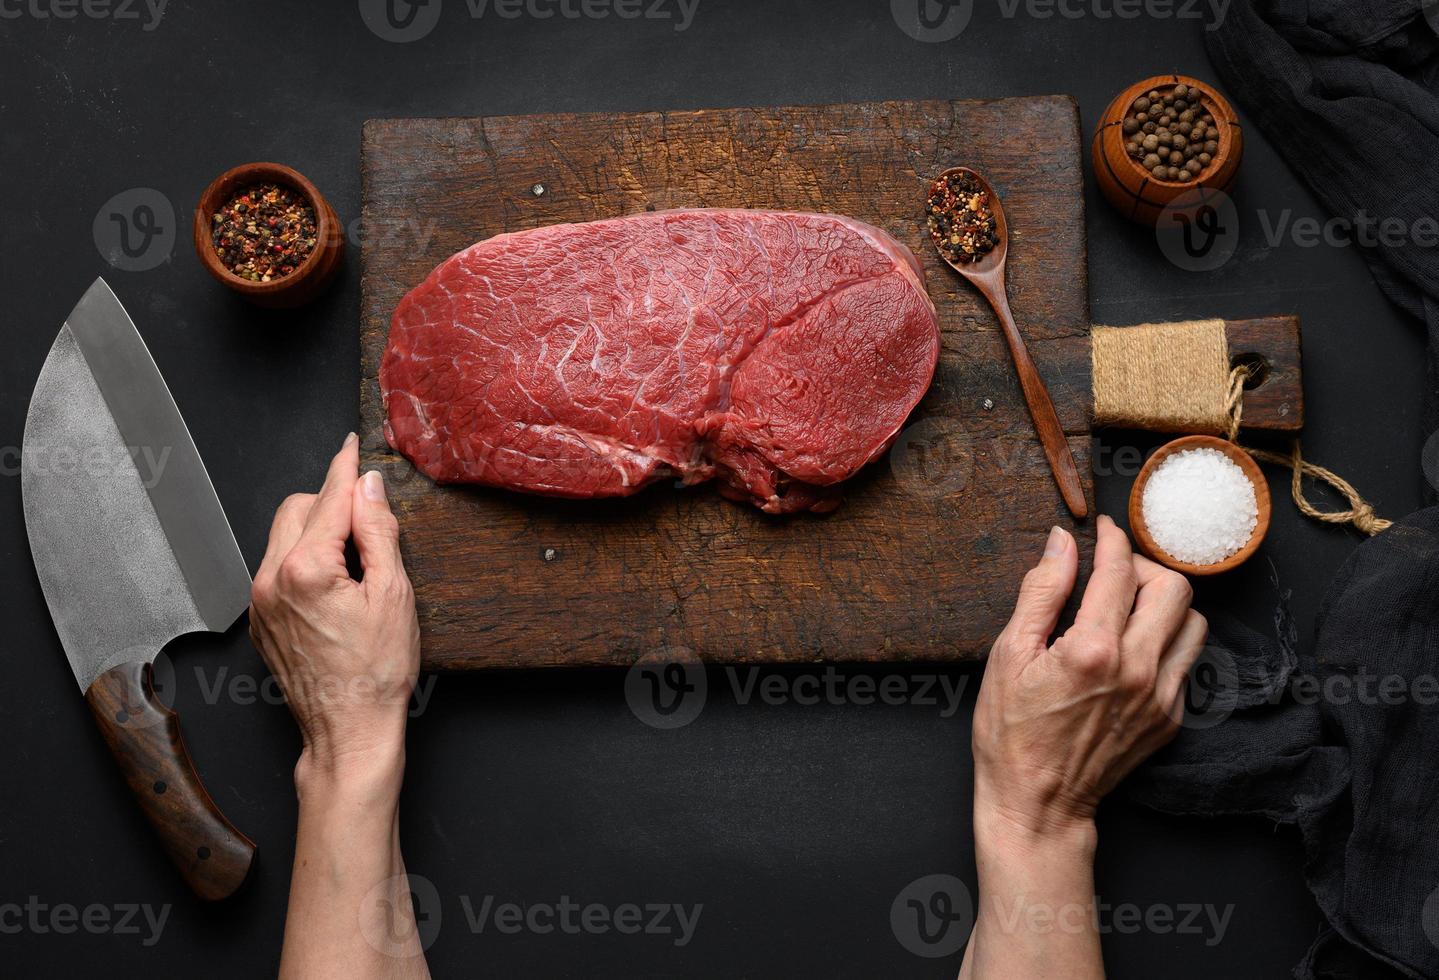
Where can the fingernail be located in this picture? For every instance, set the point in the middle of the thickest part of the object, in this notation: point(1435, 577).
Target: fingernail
point(374, 485)
point(1056, 543)
point(349, 440)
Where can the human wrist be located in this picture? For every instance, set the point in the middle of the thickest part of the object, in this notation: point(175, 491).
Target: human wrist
point(1023, 830)
point(358, 776)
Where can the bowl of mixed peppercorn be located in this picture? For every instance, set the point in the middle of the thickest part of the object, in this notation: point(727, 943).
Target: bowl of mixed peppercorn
point(263, 230)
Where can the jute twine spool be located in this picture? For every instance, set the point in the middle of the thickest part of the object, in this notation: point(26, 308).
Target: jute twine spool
point(1175, 377)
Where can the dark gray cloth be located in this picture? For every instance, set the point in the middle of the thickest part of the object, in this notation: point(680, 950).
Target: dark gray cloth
point(1343, 743)
point(1348, 92)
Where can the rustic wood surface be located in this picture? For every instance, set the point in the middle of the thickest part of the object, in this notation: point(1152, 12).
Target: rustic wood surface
point(922, 560)
point(1275, 403)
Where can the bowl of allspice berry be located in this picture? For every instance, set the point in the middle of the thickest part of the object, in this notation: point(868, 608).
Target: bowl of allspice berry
point(1166, 143)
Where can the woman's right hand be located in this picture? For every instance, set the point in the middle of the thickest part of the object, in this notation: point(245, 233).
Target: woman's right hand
point(346, 653)
point(1056, 727)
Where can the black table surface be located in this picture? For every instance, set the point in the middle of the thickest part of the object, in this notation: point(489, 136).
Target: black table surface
point(789, 829)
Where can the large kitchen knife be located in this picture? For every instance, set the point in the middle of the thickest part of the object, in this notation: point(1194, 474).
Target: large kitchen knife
point(132, 549)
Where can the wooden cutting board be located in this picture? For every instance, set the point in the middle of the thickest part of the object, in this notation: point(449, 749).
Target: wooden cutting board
point(923, 559)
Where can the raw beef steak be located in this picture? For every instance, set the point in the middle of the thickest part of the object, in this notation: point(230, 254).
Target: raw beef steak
point(776, 352)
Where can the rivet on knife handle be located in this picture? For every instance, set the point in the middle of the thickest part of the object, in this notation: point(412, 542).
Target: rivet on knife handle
point(145, 738)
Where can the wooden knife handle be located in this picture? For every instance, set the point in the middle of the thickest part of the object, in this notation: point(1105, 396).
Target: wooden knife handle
point(144, 736)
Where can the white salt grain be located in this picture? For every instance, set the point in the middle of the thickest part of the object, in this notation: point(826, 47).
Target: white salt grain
point(1199, 506)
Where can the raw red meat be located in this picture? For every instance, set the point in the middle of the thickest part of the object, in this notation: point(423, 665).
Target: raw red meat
point(777, 352)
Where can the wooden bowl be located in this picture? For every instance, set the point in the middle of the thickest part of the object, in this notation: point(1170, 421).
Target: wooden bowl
point(317, 270)
point(1137, 193)
point(1245, 462)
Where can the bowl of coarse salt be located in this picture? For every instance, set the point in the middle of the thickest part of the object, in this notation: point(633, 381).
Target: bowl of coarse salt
point(1200, 506)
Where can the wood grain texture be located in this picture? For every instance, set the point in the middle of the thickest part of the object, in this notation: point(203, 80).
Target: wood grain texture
point(144, 736)
point(1276, 402)
point(922, 560)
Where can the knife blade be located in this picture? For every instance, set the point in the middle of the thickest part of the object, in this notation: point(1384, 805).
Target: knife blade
point(132, 549)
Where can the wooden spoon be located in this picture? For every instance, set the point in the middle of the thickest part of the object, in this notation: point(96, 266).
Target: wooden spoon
point(987, 275)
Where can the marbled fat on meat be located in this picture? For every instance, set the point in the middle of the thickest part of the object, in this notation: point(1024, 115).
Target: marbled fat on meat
point(775, 352)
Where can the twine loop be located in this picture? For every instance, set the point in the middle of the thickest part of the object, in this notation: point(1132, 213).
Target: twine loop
point(1176, 377)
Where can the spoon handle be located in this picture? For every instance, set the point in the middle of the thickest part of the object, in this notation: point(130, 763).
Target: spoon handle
point(1041, 408)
